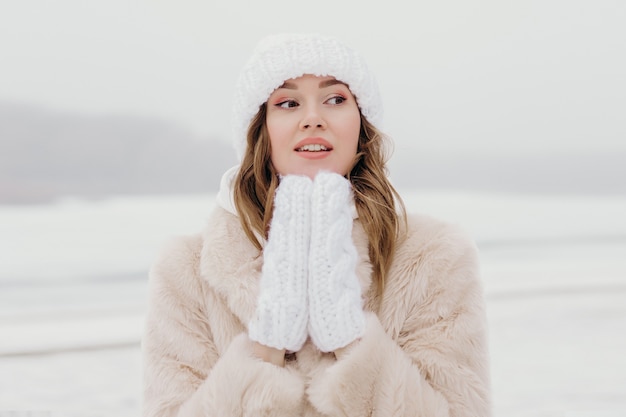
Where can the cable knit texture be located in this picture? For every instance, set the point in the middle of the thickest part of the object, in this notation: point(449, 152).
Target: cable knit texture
point(336, 315)
point(281, 57)
point(281, 314)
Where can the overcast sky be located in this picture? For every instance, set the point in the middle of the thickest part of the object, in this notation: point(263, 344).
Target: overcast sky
point(465, 76)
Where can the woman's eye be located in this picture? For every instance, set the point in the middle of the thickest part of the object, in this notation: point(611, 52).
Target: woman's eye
point(336, 100)
point(287, 104)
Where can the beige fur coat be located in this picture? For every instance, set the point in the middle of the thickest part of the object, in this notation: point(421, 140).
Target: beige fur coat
point(424, 352)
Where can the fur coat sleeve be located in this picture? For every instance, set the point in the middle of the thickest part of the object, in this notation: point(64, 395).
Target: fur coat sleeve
point(188, 374)
point(425, 352)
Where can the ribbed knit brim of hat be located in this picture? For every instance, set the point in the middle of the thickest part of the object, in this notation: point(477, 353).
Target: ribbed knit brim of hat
point(281, 57)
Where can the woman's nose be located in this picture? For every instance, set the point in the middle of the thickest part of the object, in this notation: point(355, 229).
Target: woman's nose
point(312, 118)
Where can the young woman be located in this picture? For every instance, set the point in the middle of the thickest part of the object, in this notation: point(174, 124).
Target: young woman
point(311, 292)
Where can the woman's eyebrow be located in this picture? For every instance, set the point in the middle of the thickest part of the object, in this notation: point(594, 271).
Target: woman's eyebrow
point(328, 83)
point(323, 84)
point(289, 85)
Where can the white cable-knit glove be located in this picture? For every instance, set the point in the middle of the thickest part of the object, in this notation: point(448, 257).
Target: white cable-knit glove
point(281, 316)
point(336, 315)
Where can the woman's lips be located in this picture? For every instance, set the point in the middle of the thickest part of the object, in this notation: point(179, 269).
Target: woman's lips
point(313, 148)
point(313, 144)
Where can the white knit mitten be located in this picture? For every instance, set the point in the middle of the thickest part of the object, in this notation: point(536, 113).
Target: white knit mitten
point(336, 315)
point(281, 316)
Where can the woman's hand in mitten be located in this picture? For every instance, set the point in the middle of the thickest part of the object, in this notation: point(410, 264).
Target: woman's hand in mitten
point(336, 316)
point(281, 316)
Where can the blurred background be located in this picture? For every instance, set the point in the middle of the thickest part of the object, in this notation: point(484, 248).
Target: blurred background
point(506, 117)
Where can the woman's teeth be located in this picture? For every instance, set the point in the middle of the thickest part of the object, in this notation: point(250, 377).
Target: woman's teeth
point(312, 148)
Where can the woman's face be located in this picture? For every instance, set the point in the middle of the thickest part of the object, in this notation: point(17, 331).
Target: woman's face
point(313, 124)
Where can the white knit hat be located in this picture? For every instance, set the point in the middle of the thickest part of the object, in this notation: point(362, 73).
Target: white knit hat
point(278, 58)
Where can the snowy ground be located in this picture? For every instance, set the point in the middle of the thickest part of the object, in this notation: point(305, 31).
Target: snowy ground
point(73, 287)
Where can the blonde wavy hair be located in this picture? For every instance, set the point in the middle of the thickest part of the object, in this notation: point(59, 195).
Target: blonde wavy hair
point(378, 204)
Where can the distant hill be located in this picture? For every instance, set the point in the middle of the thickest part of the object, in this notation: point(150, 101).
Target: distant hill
point(549, 173)
point(45, 154)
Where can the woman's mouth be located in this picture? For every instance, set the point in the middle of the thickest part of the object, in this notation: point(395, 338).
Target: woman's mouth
point(313, 147)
